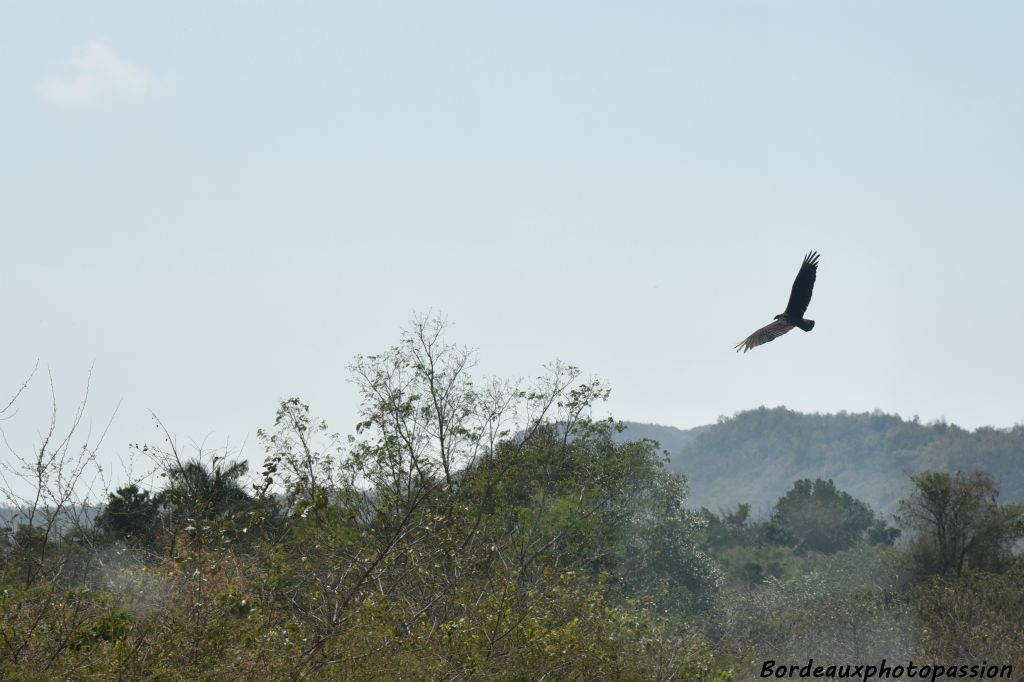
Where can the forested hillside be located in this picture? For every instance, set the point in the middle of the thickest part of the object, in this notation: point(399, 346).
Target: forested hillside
point(754, 456)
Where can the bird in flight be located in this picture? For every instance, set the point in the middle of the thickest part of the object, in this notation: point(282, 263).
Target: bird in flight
point(799, 298)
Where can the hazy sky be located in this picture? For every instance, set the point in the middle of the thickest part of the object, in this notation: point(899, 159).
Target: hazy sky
point(221, 203)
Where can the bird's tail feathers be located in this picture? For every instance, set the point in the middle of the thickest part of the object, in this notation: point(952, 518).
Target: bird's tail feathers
point(806, 325)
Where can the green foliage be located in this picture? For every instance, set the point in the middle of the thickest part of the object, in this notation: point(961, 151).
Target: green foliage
point(974, 616)
point(199, 491)
point(26, 550)
point(754, 564)
point(754, 456)
point(814, 515)
point(130, 515)
point(484, 530)
point(959, 522)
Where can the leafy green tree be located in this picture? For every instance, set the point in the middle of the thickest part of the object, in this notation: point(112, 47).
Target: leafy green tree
point(131, 515)
point(730, 528)
point(26, 549)
point(472, 525)
point(600, 507)
point(960, 522)
point(303, 461)
point(815, 515)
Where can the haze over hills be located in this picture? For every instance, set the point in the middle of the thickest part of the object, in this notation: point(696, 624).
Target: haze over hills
point(755, 456)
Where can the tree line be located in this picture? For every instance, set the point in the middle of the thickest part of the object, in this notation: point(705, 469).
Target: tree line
point(485, 529)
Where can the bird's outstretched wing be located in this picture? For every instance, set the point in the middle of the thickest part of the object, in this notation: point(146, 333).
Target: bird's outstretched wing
point(767, 333)
point(803, 286)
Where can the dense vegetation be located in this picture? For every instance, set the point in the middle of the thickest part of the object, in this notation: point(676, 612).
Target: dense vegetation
point(485, 530)
point(753, 457)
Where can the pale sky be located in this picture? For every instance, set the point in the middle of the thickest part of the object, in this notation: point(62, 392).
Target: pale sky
point(220, 204)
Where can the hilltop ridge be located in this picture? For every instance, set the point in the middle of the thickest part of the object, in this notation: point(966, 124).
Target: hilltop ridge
point(754, 456)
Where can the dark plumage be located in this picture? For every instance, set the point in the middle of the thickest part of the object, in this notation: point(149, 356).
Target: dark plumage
point(799, 299)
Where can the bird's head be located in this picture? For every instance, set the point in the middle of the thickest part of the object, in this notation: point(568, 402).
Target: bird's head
point(779, 317)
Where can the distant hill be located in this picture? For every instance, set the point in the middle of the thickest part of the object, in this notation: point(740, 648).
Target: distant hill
point(670, 438)
point(756, 455)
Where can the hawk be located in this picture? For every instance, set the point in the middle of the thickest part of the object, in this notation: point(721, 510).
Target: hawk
point(799, 298)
